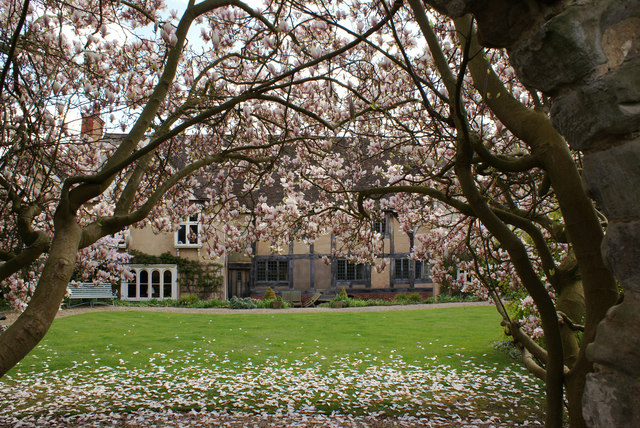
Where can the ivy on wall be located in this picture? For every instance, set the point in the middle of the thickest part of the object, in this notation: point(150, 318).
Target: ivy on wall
point(193, 277)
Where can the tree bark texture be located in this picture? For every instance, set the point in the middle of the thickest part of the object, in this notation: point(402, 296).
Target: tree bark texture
point(586, 57)
point(31, 326)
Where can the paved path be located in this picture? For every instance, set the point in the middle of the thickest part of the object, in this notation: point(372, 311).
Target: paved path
point(12, 315)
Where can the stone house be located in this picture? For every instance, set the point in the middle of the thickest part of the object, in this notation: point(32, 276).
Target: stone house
point(301, 267)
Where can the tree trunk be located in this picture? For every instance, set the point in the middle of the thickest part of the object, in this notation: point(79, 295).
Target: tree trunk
point(585, 56)
point(570, 301)
point(31, 326)
point(581, 222)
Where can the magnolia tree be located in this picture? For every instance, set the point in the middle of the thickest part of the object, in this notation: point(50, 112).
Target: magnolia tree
point(441, 133)
point(351, 110)
point(201, 100)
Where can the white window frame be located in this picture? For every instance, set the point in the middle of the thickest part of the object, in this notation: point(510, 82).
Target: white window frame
point(466, 275)
point(149, 269)
point(189, 223)
point(123, 242)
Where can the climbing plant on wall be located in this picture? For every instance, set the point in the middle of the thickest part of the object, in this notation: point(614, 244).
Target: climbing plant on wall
point(193, 277)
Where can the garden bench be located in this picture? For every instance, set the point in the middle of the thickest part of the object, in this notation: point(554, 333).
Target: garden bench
point(293, 297)
point(92, 292)
point(312, 300)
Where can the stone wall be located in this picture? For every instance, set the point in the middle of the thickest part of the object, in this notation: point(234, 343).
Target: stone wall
point(585, 56)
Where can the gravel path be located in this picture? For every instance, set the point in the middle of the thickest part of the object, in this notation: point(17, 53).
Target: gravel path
point(12, 315)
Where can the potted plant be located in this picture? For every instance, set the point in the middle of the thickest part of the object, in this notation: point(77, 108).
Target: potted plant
point(277, 303)
point(340, 300)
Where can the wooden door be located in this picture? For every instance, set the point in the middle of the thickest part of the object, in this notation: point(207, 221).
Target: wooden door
point(238, 283)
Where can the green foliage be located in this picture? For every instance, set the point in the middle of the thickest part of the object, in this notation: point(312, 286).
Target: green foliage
point(270, 294)
point(188, 300)
point(342, 295)
point(444, 298)
point(243, 303)
point(414, 298)
point(215, 303)
point(401, 297)
point(193, 276)
point(266, 303)
point(359, 303)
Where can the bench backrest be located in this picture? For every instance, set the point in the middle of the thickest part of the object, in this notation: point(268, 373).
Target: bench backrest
point(91, 291)
point(292, 296)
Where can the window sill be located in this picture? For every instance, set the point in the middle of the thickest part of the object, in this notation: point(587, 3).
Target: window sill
point(188, 245)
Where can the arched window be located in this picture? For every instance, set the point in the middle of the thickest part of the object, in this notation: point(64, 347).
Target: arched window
point(166, 284)
point(144, 284)
point(155, 284)
point(132, 286)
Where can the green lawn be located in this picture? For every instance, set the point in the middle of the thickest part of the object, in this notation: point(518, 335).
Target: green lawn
point(422, 363)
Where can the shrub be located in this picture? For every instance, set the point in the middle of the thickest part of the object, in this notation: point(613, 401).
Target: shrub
point(270, 294)
point(215, 303)
point(188, 300)
point(414, 298)
point(356, 303)
point(242, 303)
point(342, 295)
point(445, 298)
point(264, 303)
point(400, 297)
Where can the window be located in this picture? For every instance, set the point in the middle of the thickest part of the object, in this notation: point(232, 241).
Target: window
point(423, 270)
point(403, 266)
point(167, 283)
point(272, 270)
point(121, 239)
point(464, 276)
point(348, 271)
point(188, 233)
point(380, 226)
point(150, 282)
point(143, 281)
point(155, 284)
point(402, 269)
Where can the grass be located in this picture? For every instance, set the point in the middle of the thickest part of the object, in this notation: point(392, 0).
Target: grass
point(107, 337)
point(348, 362)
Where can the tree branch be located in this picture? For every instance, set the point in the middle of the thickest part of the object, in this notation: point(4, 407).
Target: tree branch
point(14, 44)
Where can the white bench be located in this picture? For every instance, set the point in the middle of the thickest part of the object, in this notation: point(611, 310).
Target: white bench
point(87, 290)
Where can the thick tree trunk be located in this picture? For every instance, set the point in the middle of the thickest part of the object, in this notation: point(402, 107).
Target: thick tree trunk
point(582, 224)
point(586, 57)
point(31, 326)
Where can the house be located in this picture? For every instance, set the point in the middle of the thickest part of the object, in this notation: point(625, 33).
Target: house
point(301, 267)
point(308, 268)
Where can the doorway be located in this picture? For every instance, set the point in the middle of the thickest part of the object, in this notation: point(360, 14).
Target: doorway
point(238, 282)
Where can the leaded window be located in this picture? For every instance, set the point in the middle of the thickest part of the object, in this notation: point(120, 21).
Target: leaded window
point(402, 269)
point(348, 271)
point(272, 270)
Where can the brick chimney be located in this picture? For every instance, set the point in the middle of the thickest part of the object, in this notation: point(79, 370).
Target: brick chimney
point(92, 125)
